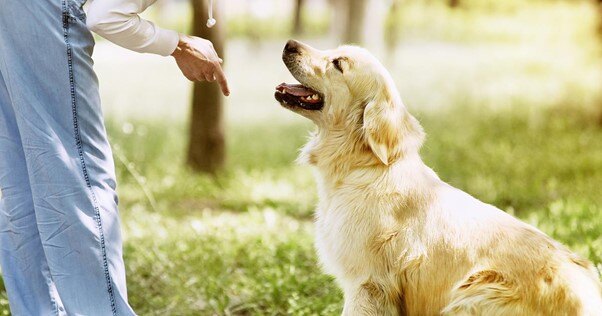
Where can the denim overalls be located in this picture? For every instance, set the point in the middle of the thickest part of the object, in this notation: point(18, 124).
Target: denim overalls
point(60, 242)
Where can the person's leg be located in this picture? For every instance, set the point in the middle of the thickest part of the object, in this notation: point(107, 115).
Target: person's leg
point(26, 277)
point(48, 71)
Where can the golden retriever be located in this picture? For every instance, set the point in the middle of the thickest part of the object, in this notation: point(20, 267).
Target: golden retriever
point(399, 240)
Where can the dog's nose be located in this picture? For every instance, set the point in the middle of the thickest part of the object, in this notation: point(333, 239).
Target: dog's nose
point(292, 47)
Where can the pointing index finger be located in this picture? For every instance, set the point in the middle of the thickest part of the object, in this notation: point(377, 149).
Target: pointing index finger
point(221, 79)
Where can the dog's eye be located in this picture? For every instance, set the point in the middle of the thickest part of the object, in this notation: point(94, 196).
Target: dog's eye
point(337, 64)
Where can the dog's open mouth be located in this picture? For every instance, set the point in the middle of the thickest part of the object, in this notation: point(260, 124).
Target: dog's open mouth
point(297, 95)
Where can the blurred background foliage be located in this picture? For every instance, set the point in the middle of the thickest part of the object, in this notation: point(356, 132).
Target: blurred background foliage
point(509, 93)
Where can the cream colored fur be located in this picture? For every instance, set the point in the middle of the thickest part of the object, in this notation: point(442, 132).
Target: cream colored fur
point(399, 240)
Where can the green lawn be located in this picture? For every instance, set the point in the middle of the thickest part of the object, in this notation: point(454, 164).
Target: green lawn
point(242, 243)
point(509, 101)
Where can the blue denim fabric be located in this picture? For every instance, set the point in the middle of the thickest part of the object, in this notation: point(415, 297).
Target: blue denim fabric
point(60, 243)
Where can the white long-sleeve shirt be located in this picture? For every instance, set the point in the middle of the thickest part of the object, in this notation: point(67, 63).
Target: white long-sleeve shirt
point(119, 22)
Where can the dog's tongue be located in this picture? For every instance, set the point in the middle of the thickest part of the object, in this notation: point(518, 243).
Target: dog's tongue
point(297, 90)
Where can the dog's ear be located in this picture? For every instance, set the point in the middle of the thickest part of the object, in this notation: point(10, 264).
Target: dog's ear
point(383, 122)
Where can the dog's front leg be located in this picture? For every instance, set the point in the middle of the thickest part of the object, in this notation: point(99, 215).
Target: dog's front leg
point(370, 299)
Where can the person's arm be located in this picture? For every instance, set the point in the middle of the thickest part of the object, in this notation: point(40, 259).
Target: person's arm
point(119, 22)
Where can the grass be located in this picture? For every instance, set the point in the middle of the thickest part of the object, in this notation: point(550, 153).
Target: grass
point(508, 99)
point(242, 243)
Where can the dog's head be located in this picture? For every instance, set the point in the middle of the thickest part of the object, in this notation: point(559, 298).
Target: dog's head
point(352, 99)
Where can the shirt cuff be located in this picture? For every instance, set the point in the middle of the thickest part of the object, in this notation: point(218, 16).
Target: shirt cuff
point(165, 43)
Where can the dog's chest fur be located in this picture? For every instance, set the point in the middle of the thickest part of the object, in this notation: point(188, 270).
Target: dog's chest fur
point(374, 229)
point(360, 229)
point(345, 234)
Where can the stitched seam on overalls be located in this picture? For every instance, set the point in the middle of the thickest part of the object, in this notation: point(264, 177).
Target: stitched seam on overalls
point(80, 151)
point(52, 300)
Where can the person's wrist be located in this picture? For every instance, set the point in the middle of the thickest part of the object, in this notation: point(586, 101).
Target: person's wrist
point(182, 45)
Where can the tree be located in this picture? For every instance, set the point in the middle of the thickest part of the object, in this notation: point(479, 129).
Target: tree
point(298, 17)
point(599, 7)
point(392, 28)
point(338, 20)
point(206, 148)
point(348, 20)
point(454, 3)
point(356, 13)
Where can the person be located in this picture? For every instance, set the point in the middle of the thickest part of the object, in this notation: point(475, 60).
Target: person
point(60, 242)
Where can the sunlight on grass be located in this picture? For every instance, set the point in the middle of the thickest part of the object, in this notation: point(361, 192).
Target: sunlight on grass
point(202, 261)
point(242, 243)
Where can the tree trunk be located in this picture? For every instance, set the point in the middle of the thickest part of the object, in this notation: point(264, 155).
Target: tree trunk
point(454, 3)
point(356, 12)
point(298, 17)
point(206, 149)
point(392, 28)
point(338, 18)
point(600, 18)
point(599, 7)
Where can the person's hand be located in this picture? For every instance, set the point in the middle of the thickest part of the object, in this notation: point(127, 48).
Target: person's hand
point(198, 61)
